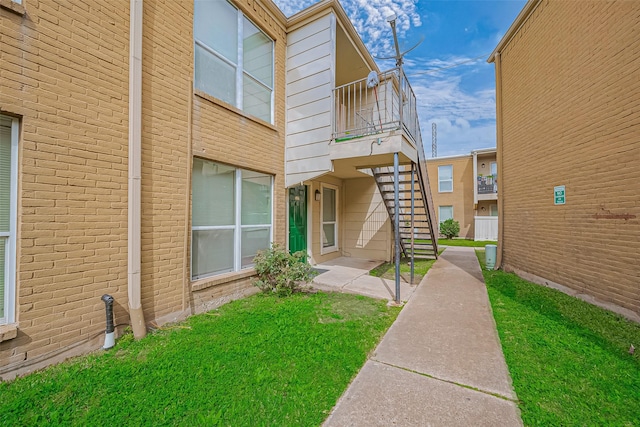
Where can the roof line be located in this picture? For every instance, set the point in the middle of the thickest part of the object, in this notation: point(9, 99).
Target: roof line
point(522, 17)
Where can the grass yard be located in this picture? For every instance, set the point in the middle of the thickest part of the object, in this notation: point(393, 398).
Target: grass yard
point(569, 360)
point(388, 269)
point(262, 360)
point(465, 243)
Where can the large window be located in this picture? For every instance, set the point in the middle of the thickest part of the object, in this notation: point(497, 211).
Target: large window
point(329, 220)
point(233, 58)
point(232, 218)
point(8, 199)
point(444, 213)
point(445, 179)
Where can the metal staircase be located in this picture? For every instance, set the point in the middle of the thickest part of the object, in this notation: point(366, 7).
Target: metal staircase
point(417, 235)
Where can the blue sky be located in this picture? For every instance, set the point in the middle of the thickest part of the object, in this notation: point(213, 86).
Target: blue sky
point(460, 99)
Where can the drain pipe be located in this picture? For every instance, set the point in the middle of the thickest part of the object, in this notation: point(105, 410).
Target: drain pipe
point(135, 167)
point(109, 334)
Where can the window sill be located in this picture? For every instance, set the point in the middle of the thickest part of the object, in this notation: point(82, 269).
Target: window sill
point(8, 332)
point(325, 251)
point(230, 107)
point(13, 6)
point(209, 282)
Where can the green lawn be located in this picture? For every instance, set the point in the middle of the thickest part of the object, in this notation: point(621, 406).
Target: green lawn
point(569, 360)
point(388, 269)
point(262, 360)
point(466, 243)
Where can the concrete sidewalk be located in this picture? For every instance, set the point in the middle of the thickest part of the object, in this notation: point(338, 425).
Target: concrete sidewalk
point(440, 363)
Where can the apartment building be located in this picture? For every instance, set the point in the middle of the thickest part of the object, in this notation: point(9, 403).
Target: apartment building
point(568, 140)
point(147, 154)
point(465, 188)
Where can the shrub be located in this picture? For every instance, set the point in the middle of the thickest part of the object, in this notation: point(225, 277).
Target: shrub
point(450, 228)
point(282, 272)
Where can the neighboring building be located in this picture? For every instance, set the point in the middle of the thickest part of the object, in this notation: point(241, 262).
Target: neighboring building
point(568, 129)
point(465, 188)
point(152, 165)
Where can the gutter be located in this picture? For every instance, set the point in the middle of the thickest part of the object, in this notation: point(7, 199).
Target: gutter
point(135, 167)
point(498, 63)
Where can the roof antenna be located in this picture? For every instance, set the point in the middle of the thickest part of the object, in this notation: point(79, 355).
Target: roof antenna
point(391, 19)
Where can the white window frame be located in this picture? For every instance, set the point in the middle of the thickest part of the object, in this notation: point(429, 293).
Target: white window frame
point(440, 180)
point(237, 227)
point(334, 248)
point(493, 208)
point(440, 220)
point(10, 249)
point(239, 65)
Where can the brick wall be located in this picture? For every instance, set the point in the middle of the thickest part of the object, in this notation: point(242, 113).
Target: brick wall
point(64, 72)
point(570, 116)
point(462, 196)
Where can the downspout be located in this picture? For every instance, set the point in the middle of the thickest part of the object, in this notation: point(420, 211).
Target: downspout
point(498, 62)
point(135, 168)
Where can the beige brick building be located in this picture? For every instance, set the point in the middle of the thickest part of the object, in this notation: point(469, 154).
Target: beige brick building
point(568, 128)
point(66, 112)
point(465, 188)
point(147, 154)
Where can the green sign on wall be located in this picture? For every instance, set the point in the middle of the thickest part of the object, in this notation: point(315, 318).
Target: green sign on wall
point(559, 195)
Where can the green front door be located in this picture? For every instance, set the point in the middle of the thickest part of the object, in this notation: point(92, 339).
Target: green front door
point(298, 218)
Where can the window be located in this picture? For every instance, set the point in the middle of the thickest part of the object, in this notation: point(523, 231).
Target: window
point(233, 58)
point(231, 217)
point(445, 179)
point(494, 174)
point(444, 213)
point(8, 200)
point(493, 210)
point(329, 220)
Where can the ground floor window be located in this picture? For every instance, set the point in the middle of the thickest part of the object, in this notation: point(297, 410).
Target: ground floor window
point(493, 210)
point(444, 213)
point(329, 210)
point(8, 200)
point(231, 217)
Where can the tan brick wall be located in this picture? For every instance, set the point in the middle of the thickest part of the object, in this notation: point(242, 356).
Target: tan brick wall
point(462, 196)
point(63, 69)
point(223, 134)
point(571, 96)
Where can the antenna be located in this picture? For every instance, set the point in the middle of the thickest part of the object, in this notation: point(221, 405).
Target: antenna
point(434, 140)
point(391, 19)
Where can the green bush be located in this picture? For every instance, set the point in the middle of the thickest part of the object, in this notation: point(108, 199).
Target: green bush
point(281, 272)
point(450, 228)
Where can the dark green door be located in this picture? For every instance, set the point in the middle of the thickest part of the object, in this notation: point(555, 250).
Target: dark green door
point(298, 218)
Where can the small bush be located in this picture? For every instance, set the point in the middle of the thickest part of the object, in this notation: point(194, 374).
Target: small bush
point(281, 272)
point(450, 228)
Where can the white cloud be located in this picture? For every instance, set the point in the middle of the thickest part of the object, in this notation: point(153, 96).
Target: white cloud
point(369, 17)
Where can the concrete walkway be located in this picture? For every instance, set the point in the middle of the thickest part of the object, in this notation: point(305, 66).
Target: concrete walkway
point(440, 363)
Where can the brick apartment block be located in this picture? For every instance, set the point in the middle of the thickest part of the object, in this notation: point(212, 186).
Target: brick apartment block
point(236, 136)
point(568, 119)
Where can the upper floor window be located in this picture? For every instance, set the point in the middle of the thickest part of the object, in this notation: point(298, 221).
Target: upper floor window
point(8, 200)
point(445, 179)
point(233, 58)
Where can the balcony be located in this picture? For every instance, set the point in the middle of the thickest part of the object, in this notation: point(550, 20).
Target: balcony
point(373, 120)
point(487, 187)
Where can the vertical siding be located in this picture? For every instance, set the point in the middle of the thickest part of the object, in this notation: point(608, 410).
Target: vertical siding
point(571, 116)
point(310, 77)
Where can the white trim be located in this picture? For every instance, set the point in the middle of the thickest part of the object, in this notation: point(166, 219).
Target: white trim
point(440, 180)
point(335, 247)
point(10, 250)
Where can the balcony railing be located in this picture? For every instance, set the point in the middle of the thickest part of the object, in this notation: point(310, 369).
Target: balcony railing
point(363, 109)
point(487, 185)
